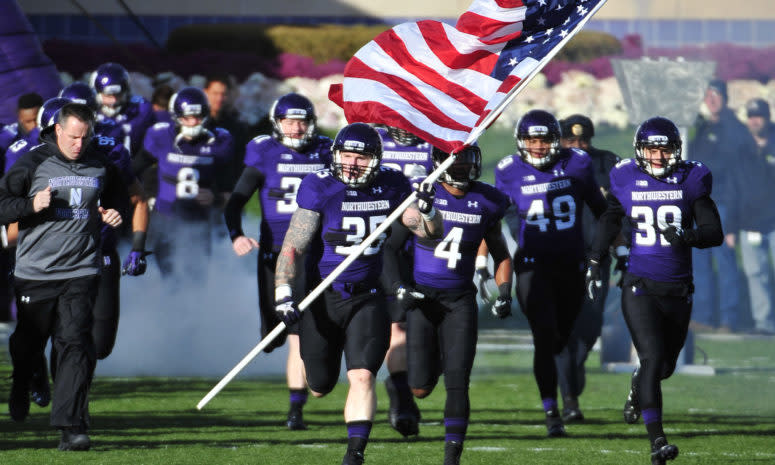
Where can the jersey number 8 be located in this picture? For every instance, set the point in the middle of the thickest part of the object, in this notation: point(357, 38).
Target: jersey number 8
point(188, 183)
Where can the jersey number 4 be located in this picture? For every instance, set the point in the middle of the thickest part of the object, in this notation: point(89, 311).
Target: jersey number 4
point(646, 234)
point(449, 248)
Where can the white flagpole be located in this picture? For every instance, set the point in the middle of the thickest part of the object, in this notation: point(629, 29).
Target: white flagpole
point(472, 137)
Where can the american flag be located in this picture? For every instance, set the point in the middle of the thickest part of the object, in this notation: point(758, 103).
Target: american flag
point(440, 82)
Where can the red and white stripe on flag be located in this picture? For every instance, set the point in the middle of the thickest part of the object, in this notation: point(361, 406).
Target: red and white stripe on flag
point(439, 81)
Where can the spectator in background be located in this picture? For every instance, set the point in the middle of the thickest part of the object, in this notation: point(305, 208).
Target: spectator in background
point(757, 235)
point(721, 142)
point(160, 100)
point(223, 115)
point(577, 132)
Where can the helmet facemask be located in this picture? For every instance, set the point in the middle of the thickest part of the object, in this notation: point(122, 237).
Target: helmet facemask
point(352, 175)
point(467, 166)
point(402, 136)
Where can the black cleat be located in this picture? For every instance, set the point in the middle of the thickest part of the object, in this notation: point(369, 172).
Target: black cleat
point(295, 420)
point(661, 451)
point(554, 425)
point(353, 457)
point(19, 400)
point(571, 411)
point(452, 452)
point(40, 390)
point(631, 409)
point(74, 439)
point(407, 423)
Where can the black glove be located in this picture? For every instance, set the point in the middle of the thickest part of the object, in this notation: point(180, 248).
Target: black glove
point(287, 311)
point(425, 195)
point(675, 236)
point(135, 264)
point(622, 256)
point(593, 279)
point(502, 306)
point(408, 297)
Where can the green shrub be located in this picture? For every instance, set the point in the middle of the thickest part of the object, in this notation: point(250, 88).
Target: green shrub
point(587, 45)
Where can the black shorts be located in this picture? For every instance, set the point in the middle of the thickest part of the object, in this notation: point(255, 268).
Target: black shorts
point(267, 262)
point(441, 337)
point(358, 326)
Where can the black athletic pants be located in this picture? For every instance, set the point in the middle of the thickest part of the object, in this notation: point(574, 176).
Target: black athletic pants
point(658, 325)
point(551, 299)
point(61, 310)
point(441, 338)
point(571, 374)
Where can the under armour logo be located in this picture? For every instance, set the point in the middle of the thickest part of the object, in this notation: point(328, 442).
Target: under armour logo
point(314, 156)
point(473, 204)
point(205, 149)
point(529, 260)
point(672, 180)
point(25, 299)
point(106, 260)
point(268, 255)
point(376, 190)
point(559, 172)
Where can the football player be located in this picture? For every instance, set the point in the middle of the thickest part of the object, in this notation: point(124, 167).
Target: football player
point(275, 166)
point(337, 208)
point(667, 202)
point(440, 301)
point(191, 153)
point(548, 185)
point(577, 132)
point(132, 112)
point(27, 108)
point(410, 155)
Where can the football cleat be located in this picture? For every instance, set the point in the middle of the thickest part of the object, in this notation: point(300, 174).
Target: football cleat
point(19, 400)
point(661, 451)
point(407, 423)
point(554, 426)
point(571, 411)
point(40, 391)
point(74, 439)
point(631, 409)
point(452, 452)
point(295, 420)
point(353, 457)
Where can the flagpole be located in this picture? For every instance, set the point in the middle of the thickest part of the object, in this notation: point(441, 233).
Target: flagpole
point(472, 137)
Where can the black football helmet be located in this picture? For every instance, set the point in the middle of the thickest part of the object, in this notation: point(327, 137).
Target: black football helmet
point(467, 166)
point(402, 136)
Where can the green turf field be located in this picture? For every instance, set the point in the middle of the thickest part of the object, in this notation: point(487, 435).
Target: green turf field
point(727, 418)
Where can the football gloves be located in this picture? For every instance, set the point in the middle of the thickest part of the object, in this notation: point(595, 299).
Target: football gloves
point(135, 264)
point(593, 280)
point(287, 311)
point(408, 297)
point(425, 195)
point(502, 306)
point(675, 236)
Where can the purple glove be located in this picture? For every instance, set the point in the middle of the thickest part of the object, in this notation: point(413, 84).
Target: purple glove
point(134, 264)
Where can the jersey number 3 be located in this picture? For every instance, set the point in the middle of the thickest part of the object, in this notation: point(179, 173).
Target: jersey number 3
point(646, 234)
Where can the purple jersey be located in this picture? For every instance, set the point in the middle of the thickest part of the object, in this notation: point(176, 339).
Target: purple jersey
point(186, 166)
point(20, 147)
point(135, 118)
point(349, 215)
point(119, 156)
point(549, 205)
point(10, 134)
point(412, 160)
point(448, 263)
point(283, 169)
point(109, 128)
point(654, 204)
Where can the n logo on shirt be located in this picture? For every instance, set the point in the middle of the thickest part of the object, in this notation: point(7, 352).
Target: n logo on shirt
point(76, 196)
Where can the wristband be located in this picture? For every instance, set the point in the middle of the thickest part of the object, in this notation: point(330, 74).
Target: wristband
point(138, 241)
point(282, 292)
point(481, 262)
point(430, 215)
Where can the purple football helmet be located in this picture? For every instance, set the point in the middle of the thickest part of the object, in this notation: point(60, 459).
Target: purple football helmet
point(190, 101)
point(402, 136)
point(538, 124)
point(111, 79)
point(47, 115)
point(466, 168)
point(657, 132)
point(293, 106)
point(78, 92)
point(362, 139)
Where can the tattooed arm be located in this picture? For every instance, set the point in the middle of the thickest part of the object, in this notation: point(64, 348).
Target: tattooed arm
point(413, 219)
point(301, 231)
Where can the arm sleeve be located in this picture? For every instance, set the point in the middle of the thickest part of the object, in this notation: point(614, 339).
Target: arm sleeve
point(249, 181)
point(708, 232)
point(608, 227)
point(392, 274)
point(141, 162)
point(592, 195)
point(116, 193)
point(15, 199)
